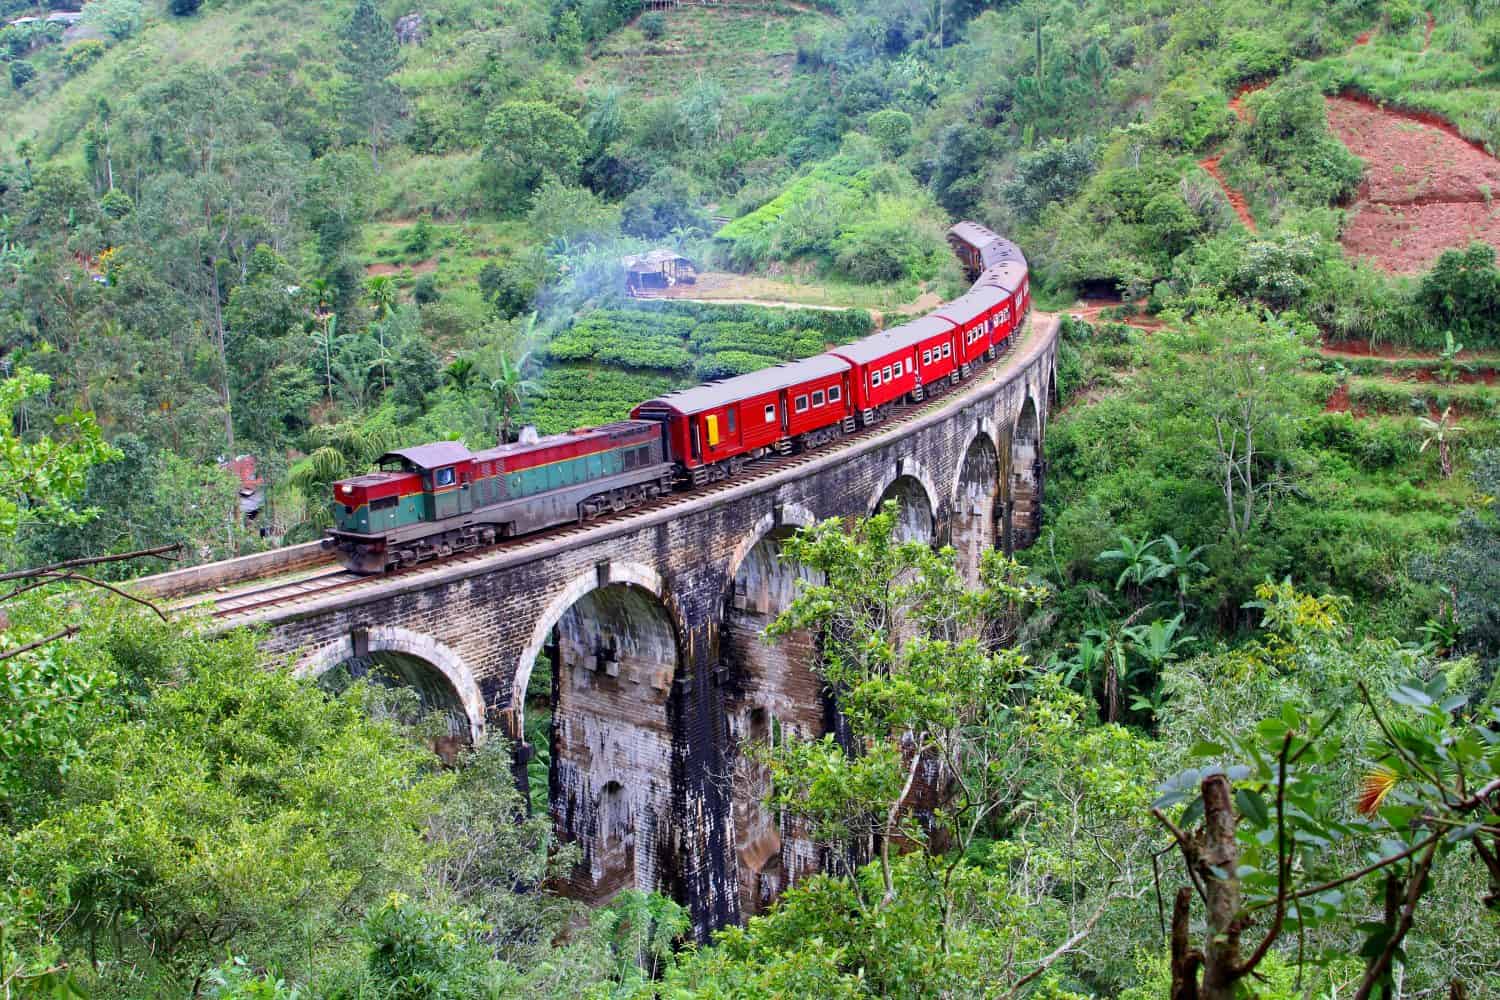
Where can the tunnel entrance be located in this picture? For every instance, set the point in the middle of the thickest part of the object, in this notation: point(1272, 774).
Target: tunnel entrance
point(773, 693)
point(609, 777)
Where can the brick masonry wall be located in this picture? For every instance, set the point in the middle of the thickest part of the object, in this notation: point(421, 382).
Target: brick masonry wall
point(483, 623)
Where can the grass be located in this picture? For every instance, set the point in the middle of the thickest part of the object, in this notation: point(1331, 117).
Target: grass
point(745, 50)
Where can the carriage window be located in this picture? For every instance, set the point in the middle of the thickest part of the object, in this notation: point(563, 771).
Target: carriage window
point(874, 378)
point(771, 414)
point(947, 350)
point(926, 357)
point(833, 394)
point(729, 419)
point(908, 366)
point(384, 503)
point(885, 373)
point(643, 456)
point(444, 477)
point(628, 458)
point(818, 398)
point(801, 404)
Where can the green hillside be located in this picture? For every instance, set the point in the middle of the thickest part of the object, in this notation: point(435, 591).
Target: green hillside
point(1270, 558)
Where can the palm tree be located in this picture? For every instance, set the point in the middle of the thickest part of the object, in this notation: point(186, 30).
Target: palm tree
point(1441, 431)
point(1181, 565)
point(324, 341)
point(381, 291)
point(460, 374)
point(343, 450)
point(510, 388)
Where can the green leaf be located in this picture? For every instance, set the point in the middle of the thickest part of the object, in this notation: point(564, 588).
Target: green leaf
point(1252, 806)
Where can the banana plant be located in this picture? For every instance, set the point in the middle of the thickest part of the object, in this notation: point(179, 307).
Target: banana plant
point(1180, 565)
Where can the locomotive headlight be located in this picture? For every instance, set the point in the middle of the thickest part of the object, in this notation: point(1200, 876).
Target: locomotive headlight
point(348, 488)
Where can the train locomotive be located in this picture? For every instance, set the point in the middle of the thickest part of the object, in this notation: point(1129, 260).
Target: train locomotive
point(434, 500)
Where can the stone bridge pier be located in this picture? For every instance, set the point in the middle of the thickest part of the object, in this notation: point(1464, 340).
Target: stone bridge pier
point(652, 625)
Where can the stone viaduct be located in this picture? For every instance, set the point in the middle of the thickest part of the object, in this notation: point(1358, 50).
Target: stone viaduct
point(653, 626)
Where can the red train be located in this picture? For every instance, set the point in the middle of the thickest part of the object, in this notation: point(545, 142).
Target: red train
point(440, 498)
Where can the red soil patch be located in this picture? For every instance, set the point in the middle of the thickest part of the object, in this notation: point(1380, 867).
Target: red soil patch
point(1237, 103)
point(420, 267)
point(1488, 376)
point(1091, 310)
point(1362, 349)
point(1339, 401)
point(1236, 200)
point(1427, 38)
point(1364, 39)
point(1424, 187)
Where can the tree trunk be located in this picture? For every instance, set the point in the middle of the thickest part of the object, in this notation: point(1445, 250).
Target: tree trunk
point(213, 285)
point(1185, 958)
point(1221, 964)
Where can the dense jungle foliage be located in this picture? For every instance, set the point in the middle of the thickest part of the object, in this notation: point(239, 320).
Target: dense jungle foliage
point(1227, 730)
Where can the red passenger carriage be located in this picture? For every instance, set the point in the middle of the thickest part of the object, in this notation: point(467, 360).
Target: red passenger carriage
point(713, 429)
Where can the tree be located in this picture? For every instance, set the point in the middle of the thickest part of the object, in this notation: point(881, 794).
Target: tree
point(526, 141)
point(509, 389)
point(184, 8)
point(369, 55)
point(381, 291)
point(1441, 432)
point(460, 374)
point(41, 477)
point(1236, 372)
point(891, 128)
point(1331, 819)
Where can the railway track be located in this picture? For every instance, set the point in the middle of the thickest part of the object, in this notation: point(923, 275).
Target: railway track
point(227, 605)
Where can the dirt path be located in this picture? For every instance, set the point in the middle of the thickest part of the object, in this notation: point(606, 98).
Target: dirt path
point(1091, 311)
point(1211, 163)
point(1426, 189)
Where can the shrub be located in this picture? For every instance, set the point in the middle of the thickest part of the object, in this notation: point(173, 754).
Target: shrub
point(21, 73)
point(1462, 292)
point(117, 18)
point(116, 204)
point(653, 25)
point(184, 8)
point(81, 56)
point(419, 236)
point(891, 130)
point(426, 291)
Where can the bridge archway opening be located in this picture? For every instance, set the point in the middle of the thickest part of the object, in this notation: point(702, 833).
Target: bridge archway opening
point(422, 681)
point(976, 505)
point(615, 654)
point(773, 692)
point(915, 521)
point(1025, 478)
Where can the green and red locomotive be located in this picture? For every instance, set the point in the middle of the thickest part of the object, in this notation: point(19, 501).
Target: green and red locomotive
point(431, 501)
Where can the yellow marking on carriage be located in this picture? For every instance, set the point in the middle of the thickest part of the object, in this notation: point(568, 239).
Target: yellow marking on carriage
point(712, 420)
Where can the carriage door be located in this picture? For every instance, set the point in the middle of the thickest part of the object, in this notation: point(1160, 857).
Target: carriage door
point(445, 493)
point(465, 491)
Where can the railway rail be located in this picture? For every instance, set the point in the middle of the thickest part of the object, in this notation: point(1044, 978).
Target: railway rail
point(227, 604)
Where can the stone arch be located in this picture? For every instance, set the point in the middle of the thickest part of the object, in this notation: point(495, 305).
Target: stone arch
point(976, 502)
point(771, 689)
point(439, 675)
point(912, 485)
point(634, 574)
point(615, 649)
point(1025, 477)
